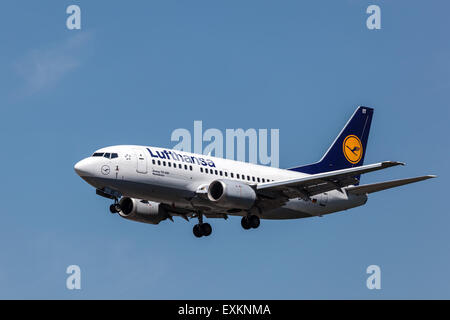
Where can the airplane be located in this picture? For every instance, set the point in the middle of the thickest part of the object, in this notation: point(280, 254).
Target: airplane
point(151, 184)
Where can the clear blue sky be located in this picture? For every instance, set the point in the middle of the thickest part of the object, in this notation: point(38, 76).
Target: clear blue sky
point(138, 70)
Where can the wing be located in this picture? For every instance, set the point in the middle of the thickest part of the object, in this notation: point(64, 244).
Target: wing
point(311, 185)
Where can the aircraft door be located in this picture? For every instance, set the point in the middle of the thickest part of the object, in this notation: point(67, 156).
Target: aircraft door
point(141, 157)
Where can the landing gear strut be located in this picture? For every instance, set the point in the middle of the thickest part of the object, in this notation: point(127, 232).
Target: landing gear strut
point(251, 221)
point(202, 229)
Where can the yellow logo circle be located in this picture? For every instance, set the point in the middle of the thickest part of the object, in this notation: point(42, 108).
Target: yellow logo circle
point(353, 149)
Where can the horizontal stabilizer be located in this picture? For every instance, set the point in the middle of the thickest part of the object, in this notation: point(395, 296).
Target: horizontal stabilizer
point(375, 187)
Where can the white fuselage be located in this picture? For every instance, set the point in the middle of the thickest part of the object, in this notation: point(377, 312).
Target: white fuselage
point(175, 177)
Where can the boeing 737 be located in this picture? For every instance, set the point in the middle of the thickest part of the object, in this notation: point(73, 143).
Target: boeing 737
point(150, 184)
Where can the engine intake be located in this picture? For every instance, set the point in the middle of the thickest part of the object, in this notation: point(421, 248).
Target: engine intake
point(231, 194)
point(142, 210)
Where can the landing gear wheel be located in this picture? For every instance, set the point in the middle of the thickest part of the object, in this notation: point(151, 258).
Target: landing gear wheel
point(206, 229)
point(249, 222)
point(245, 223)
point(197, 231)
point(113, 209)
point(201, 230)
point(254, 221)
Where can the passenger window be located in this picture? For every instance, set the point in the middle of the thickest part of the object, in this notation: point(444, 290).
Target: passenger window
point(185, 167)
point(190, 168)
point(258, 179)
point(159, 162)
point(201, 170)
point(248, 178)
point(206, 170)
point(164, 163)
point(237, 175)
point(169, 164)
point(216, 172)
point(179, 166)
point(220, 172)
point(153, 161)
point(253, 178)
point(226, 174)
point(232, 175)
point(263, 180)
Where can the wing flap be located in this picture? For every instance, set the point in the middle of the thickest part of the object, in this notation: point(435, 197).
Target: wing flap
point(375, 187)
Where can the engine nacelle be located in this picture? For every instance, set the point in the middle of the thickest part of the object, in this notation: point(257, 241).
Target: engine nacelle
point(142, 210)
point(231, 194)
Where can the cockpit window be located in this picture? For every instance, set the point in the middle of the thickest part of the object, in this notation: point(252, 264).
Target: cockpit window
point(107, 155)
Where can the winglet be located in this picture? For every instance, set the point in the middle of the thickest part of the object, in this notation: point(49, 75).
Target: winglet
point(387, 164)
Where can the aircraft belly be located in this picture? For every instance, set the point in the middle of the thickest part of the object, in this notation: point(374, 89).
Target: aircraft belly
point(298, 208)
point(284, 213)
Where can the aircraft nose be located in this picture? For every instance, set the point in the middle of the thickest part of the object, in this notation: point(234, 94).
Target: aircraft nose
point(82, 168)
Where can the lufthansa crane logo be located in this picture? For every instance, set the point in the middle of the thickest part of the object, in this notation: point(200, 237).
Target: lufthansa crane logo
point(352, 148)
point(106, 170)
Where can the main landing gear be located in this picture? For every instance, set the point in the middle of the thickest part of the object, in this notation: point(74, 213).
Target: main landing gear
point(251, 221)
point(202, 229)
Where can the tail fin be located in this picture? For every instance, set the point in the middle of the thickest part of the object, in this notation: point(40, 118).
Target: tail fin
point(348, 149)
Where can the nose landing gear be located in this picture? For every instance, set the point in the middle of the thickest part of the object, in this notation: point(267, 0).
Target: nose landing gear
point(115, 207)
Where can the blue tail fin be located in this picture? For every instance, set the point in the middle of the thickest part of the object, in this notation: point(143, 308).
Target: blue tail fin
point(348, 149)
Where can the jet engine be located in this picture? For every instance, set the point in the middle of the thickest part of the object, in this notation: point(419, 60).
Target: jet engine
point(142, 210)
point(231, 194)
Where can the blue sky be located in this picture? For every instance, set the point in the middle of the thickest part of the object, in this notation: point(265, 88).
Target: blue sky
point(138, 70)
